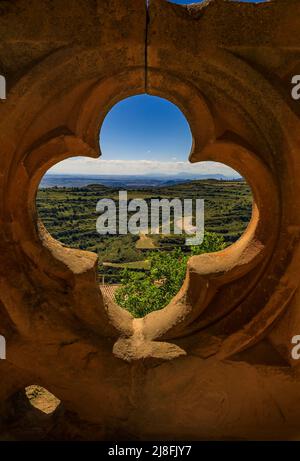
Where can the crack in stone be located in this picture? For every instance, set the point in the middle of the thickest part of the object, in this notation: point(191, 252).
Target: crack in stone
point(146, 44)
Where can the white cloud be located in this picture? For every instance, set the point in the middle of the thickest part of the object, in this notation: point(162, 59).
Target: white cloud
point(88, 166)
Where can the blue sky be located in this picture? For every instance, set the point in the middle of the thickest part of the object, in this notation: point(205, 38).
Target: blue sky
point(143, 135)
point(145, 127)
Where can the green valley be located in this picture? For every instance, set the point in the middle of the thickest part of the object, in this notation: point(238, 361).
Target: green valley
point(69, 214)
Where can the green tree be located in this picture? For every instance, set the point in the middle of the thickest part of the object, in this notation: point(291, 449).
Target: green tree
point(144, 292)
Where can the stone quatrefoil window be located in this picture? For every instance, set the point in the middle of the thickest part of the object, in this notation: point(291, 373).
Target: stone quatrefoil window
point(142, 336)
point(145, 143)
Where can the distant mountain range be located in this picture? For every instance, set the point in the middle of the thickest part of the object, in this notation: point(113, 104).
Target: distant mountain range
point(127, 182)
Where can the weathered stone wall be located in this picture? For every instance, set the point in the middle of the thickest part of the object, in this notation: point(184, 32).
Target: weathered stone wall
point(216, 363)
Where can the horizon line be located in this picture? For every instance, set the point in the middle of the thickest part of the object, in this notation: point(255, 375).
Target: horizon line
point(140, 174)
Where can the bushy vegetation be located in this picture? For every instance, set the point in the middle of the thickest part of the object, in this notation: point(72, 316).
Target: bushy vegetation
point(144, 292)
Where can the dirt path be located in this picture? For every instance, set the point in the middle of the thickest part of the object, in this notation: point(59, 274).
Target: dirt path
point(145, 242)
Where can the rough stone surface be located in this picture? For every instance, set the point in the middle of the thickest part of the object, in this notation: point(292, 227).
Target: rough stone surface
point(216, 363)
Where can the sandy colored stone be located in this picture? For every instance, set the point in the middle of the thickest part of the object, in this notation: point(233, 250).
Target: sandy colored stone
point(216, 363)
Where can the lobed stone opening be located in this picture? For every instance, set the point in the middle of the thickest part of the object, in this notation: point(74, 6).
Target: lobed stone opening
point(72, 267)
point(80, 205)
